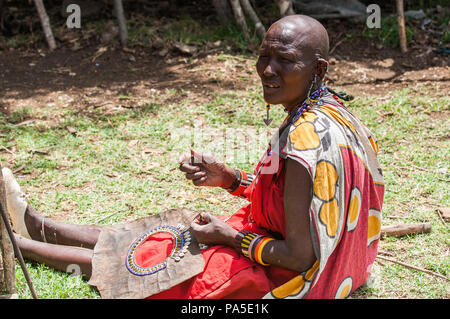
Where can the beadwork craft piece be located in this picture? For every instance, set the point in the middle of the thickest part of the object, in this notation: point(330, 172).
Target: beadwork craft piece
point(181, 240)
point(120, 264)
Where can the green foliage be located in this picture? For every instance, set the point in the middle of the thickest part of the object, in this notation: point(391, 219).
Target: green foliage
point(388, 33)
point(19, 115)
point(189, 31)
point(52, 284)
point(445, 39)
point(121, 167)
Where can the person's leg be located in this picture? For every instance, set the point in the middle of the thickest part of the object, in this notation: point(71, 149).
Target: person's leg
point(64, 258)
point(30, 224)
point(44, 229)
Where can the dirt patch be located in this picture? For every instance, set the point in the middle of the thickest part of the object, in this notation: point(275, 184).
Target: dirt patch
point(112, 78)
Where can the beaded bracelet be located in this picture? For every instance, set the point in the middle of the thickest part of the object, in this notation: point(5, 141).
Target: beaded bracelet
point(240, 183)
point(257, 253)
point(237, 181)
point(251, 245)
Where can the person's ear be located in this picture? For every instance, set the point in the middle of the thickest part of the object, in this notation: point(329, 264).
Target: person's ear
point(320, 67)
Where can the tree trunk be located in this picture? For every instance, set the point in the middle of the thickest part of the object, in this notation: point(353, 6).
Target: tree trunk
point(118, 8)
point(240, 19)
point(1, 15)
point(285, 7)
point(401, 26)
point(45, 22)
point(7, 260)
point(223, 11)
point(260, 30)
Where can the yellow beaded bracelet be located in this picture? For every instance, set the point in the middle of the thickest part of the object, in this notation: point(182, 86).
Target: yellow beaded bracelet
point(257, 255)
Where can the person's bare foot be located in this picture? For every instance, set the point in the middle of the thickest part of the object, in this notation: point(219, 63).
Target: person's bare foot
point(16, 202)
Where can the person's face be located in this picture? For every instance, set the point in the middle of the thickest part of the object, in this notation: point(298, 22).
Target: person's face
point(285, 67)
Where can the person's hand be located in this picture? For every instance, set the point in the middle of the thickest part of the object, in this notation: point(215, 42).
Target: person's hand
point(211, 230)
point(206, 170)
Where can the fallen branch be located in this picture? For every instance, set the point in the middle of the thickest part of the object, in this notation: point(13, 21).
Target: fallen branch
point(104, 217)
point(414, 267)
point(336, 45)
point(412, 167)
point(444, 214)
point(8, 150)
point(405, 229)
point(385, 253)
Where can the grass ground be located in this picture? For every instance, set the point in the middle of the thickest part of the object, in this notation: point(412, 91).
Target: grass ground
point(88, 165)
point(127, 163)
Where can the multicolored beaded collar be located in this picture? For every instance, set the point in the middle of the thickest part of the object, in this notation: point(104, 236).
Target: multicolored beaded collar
point(181, 241)
point(312, 100)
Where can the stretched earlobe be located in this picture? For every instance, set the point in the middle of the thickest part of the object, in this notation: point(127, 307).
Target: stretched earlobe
point(323, 69)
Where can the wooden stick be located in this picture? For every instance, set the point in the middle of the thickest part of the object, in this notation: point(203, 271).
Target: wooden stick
point(385, 253)
point(413, 267)
point(405, 229)
point(45, 22)
point(7, 261)
point(401, 26)
point(104, 217)
point(336, 45)
point(411, 167)
point(260, 30)
point(17, 252)
point(444, 214)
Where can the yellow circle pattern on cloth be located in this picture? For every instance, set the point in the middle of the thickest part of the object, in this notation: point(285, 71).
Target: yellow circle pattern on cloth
point(304, 136)
point(344, 288)
point(353, 209)
point(324, 188)
point(325, 181)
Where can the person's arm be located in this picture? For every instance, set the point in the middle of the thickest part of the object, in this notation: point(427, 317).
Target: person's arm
point(296, 251)
point(205, 170)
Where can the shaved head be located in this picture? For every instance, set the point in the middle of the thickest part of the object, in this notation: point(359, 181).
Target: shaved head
point(303, 32)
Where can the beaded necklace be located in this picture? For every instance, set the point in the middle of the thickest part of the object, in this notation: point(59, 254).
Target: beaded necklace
point(181, 240)
point(312, 100)
point(309, 102)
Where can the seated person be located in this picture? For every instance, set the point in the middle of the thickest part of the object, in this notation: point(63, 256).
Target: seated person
point(312, 225)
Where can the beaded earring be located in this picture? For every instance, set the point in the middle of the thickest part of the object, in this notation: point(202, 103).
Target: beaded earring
point(268, 120)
